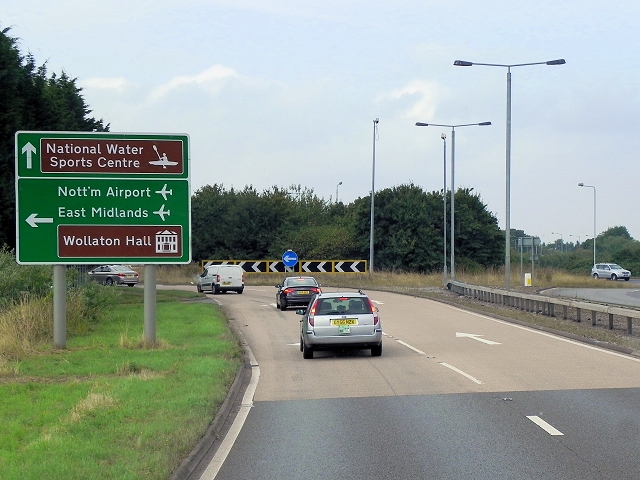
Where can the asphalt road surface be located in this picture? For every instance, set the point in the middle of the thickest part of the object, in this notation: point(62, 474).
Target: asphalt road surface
point(610, 296)
point(455, 395)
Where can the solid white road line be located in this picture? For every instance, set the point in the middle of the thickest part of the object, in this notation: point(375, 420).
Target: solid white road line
point(227, 443)
point(544, 425)
point(412, 348)
point(473, 379)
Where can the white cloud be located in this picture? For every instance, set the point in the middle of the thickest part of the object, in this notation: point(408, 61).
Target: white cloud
point(212, 78)
point(117, 83)
point(427, 94)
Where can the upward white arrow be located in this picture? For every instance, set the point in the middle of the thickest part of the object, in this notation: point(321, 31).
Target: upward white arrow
point(29, 149)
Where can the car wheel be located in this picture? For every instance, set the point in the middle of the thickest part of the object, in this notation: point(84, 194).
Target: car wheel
point(108, 281)
point(214, 290)
point(614, 277)
point(595, 276)
point(376, 351)
point(307, 352)
point(283, 305)
point(626, 279)
point(131, 284)
point(199, 289)
point(240, 290)
point(301, 344)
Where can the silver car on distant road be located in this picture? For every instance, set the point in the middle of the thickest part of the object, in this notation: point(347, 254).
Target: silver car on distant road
point(114, 275)
point(341, 320)
point(611, 271)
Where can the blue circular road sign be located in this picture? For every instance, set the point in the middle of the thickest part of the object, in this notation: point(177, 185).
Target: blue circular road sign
point(289, 258)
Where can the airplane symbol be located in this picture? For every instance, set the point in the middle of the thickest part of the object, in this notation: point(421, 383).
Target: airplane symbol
point(164, 192)
point(162, 212)
point(162, 160)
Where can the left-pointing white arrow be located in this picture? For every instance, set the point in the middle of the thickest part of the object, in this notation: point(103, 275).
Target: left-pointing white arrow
point(29, 150)
point(33, 220)
point(476, 337)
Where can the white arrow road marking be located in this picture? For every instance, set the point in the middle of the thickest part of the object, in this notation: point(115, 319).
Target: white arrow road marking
point(321, 267)
point(29, 149)
point(473, 379)
point(476, 337)
point(34, 221)
point(544, 425)
point(377, 302)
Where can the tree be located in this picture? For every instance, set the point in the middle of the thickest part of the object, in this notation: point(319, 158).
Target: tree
point(29, 100)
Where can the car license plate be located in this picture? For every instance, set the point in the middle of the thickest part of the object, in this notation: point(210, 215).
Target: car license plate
point(344, 321)
point(226, 283)
point(342, 329)
point(303, 292)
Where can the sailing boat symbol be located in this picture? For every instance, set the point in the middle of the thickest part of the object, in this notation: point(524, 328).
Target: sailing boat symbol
point(162, 160)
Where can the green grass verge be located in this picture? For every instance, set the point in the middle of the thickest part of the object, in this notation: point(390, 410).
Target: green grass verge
point(106, 407)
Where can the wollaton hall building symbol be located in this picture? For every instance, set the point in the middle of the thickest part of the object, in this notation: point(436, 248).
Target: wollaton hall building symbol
point(166, 242)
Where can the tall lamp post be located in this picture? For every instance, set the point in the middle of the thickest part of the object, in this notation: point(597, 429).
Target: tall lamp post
point(578, 240)
point(337, 191)
point(594, 218)
point(453, 156)
point(443, 136)
point(373, 189)
point(462, 63)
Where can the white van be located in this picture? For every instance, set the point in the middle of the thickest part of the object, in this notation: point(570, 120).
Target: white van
point(221, 278)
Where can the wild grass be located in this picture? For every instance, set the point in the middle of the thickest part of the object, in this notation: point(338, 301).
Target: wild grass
point(543, 278)
point(111, 407)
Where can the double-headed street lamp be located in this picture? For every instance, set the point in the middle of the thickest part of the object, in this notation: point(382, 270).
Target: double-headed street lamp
point(594, 218)
point(453, 154)
point(462, 63)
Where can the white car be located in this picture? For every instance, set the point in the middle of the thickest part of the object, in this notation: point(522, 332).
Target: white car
point(221, 279)
point(611, 271)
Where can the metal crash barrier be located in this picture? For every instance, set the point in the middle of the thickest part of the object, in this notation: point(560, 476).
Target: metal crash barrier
point(541, 304)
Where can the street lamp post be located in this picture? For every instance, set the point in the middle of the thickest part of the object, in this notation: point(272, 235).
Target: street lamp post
point(462, 63)
point(594, 218)
point(444, 206)
point(561, 240)
point(373, 189)
point(578, 240)
point(337, 191)
point(453, 156)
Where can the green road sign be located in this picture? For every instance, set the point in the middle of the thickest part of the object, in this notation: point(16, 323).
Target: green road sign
point(102, 198)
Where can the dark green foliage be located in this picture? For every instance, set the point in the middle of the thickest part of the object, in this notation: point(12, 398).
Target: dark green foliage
point(30, 100)
point(19, 280)
point(246, 225)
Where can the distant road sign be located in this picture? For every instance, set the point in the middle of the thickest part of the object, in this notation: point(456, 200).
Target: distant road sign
point(289, 258)
point(98, 198)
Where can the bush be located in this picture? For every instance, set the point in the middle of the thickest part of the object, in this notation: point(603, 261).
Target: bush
point(19, 280)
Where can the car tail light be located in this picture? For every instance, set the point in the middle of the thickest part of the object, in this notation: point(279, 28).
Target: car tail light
point(243, 278)
point(287, 291)
point(374, 309)
point(312, 312)
point(315, 290)
point(217, 278)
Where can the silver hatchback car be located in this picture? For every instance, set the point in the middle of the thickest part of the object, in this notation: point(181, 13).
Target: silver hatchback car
point(610, 271)
point(340, 320)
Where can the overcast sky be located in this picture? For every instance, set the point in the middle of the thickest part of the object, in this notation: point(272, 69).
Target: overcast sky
point(280, 93)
